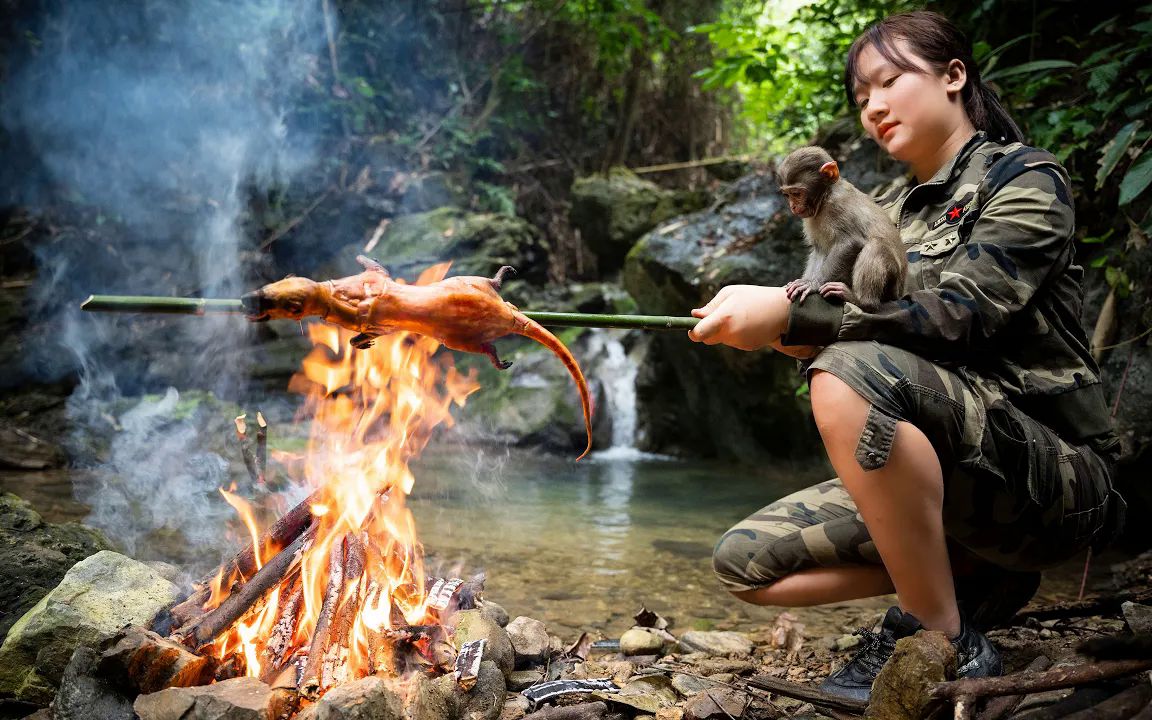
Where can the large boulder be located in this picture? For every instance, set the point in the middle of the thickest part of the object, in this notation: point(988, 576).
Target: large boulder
point(97, 597)
point(35, 555)
point(477, 243)
point(613, 210)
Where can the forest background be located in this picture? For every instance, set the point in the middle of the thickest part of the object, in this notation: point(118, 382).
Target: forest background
point(501, 108)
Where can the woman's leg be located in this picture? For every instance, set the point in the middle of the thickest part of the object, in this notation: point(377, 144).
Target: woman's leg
point(901, 502)
point(819, 586)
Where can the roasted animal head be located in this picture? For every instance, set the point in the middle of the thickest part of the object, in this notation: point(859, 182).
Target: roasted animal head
point(292, 297)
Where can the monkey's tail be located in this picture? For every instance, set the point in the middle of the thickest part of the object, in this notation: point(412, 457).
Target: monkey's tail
point(529, 328)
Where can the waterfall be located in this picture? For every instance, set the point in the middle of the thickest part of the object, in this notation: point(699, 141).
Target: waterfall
point(616, 370)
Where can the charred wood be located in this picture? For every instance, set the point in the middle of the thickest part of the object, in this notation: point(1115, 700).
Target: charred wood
point(141, 660)
point(206, 627)
point(287, 529)
point(311, 681)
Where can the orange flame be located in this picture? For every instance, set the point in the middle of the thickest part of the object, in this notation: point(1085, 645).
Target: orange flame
point(372, 411)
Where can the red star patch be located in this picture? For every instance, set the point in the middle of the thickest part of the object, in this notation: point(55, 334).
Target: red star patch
point(954, 213)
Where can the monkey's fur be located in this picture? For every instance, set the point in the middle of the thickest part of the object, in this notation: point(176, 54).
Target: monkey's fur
point(856, 252)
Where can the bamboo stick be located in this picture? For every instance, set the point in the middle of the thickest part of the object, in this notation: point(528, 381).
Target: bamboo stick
point(205, 306)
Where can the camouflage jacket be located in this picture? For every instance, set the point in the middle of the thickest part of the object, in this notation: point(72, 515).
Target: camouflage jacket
point(992, 286)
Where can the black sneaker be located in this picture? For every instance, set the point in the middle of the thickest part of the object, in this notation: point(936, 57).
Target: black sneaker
point(855, 679)
point(976, 656)
point(992, 596)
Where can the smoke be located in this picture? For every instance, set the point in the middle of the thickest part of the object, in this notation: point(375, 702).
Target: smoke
point(157, 122)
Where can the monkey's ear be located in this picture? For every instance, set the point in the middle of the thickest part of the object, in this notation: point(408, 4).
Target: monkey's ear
point(830, 170)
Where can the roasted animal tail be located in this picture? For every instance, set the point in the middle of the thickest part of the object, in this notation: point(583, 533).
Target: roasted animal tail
point(531, 329)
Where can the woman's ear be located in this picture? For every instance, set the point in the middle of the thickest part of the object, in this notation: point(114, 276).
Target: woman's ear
point(955, 76)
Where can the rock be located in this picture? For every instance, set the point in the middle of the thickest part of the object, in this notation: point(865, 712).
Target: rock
point(675, 713)
point(530, 641)
point(641, 641)
point(369, 698)
point(85, 694)
point(523, 679)
point(846, 642)
point(35, 555)
point(716, 642)
point(716, 665)
point(477, 243)
point(612, 211)
point(143, 661)
point(472, 625)
point(688, 685)
point(494, 612)
point(900, 690)
point(485, 701)
point(242, 698)
point(515, 707)
point(438, 699)
point(1138, 617)
point(21, 450)
point(97, 596)
point(718, 703)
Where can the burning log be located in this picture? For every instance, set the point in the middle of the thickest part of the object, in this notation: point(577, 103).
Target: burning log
point(246, 450)
point(280, 641)
point(286, 530)
point(261, 449)
point(328, 654)
point(206, 627)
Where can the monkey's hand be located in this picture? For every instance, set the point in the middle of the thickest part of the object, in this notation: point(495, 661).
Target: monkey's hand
point(838, 290)
point(798, 289)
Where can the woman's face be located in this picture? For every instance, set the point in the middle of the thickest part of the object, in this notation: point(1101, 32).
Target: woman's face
point(910, 114)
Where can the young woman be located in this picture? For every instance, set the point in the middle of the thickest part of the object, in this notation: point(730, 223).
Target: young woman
point(965, 420)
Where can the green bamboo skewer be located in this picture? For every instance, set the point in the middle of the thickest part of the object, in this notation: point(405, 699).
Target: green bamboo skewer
point(213, 306)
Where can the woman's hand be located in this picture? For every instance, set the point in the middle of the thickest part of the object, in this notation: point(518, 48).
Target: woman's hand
point(747, 317)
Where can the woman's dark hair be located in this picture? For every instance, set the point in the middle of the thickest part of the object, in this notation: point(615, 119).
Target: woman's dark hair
point(935, 38)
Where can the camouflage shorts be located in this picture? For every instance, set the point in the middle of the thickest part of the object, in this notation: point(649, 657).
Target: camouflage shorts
point(1015, 494)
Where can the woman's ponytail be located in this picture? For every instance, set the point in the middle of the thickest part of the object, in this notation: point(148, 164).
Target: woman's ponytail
point(987, 114)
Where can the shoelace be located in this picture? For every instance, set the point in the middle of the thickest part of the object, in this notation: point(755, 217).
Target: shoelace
point(875, 650)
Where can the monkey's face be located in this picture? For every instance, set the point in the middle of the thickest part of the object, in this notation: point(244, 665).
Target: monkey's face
point(799, 201)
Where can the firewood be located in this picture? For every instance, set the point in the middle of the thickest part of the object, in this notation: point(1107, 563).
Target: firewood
point(1030, 682)
point(279, 645)
point(141, 660)
point(1103, 605)
point(261, 449)
point(287, 529)
point(806, 693)
point(247, 452)
point(1120, 706)
point(1004, 705)
point(206, 627)
point(311, 681)
point(334, 656)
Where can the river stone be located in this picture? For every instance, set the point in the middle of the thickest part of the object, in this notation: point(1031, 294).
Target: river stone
point(35, 555)
point(530, 640)
point(369, 698)
point(900, 691)
point(716, 642)
point(243, 698)
point(472, 625)
point(1138, 617)
point(612, 211)
point(524, 679)
point(688, 685)
point(84, 694)
point(485, 701)
point(98, 596)
point(641, 641)
point(494, 612)
point(438, 699)
point(515, 706)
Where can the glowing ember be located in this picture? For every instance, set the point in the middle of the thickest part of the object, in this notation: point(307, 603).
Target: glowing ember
point(359, 576)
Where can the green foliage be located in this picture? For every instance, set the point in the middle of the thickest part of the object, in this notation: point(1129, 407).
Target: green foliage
point(788, 70)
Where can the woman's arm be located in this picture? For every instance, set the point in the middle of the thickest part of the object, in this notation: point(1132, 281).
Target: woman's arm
point(1023, 234)
point(747, 317)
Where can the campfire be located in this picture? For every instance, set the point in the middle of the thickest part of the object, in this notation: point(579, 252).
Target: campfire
point(336, 590)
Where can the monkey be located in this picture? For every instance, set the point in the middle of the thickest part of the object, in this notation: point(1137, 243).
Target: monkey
point(856, 252)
